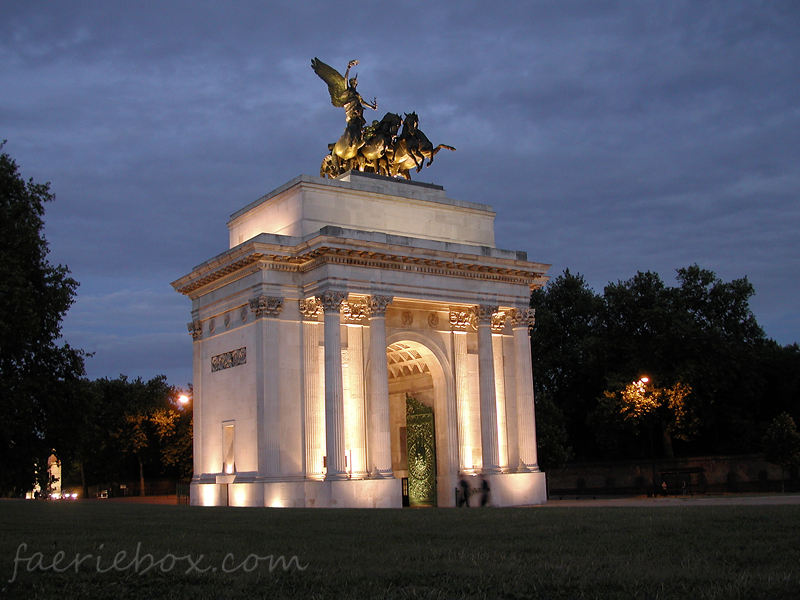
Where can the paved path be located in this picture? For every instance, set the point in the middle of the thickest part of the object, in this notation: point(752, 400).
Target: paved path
point(732, 499)
point(139, 500)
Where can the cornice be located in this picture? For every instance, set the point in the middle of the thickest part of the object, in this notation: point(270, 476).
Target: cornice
point(322, 251)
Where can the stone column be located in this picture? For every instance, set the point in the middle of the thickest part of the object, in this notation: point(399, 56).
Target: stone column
point(459, 321)
point(380, 423)
point(486, 385)
point(498, 325)
point(200, 466)
point(268, 422)
point(355, 409)
point(521, 322)
point(334, 395)
point(313, 399)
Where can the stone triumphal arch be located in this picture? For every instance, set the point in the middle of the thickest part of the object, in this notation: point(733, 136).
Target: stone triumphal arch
point(362, 343)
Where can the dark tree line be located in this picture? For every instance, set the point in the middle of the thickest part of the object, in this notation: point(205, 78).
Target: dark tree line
point(650, 369)
point(102, 431)
point(37, 370)
point(127, 431)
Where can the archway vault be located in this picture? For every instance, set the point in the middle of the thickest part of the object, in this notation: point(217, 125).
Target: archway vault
point(406, 358)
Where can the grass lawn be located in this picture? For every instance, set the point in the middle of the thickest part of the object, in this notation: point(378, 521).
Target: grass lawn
point(585, 552)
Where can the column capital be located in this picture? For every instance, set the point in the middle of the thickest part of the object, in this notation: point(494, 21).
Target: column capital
point(331, 301)
point(375, 306)
point(525, 317)
point(310, 308)
point(498, 321)
point(354, 312)
point(482, 313)
point(195, 330)
point(266, 306)
point(460, 319)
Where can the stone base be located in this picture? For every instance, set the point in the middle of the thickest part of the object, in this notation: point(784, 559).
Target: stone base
point(366, 493)
point(361, 493)
point(517, 489)
point(509, 489)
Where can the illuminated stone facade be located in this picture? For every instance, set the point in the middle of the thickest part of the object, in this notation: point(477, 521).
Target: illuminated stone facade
point(338, 302)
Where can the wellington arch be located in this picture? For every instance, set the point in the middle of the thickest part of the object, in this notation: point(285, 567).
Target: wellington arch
point(362, 343)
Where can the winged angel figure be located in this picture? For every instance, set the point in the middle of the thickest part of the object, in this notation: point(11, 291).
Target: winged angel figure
point(344, 95)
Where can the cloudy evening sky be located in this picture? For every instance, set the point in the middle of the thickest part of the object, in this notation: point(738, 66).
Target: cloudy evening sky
point(610, 137)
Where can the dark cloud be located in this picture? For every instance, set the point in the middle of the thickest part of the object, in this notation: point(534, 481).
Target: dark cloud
point(609, 137)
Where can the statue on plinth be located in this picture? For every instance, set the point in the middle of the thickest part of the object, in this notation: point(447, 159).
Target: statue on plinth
point(376, 148)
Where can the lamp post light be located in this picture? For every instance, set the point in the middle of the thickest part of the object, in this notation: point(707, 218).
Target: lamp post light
point(643, 381)
point(182, 401)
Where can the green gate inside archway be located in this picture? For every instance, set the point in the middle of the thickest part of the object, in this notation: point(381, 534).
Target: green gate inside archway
point(421, 453)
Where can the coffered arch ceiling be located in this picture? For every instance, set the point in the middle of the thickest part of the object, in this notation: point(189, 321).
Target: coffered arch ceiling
point(408, 358)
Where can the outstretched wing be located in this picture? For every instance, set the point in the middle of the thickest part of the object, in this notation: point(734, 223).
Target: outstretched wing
point(337, 86)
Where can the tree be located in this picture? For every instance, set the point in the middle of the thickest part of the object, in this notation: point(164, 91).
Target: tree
point(719, 353)
point(567, 351)
point(782, 444)
point(174, 428)
point(36, 368)
point(701, 333)
point(139, 414)
point(76, 431)
point(127, 429)
point(551, 435)
point(642, 404)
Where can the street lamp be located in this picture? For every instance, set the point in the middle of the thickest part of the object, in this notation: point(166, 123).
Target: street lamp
point(183, 399)
point(644, 380)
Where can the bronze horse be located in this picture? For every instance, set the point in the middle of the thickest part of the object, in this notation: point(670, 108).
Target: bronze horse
point(423, 147)
point(412, 148)
point(378, 140)
point(372, 155)
point(383, 152)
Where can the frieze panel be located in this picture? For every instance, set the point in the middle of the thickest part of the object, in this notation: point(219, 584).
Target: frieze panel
point(234, 358)
point(324, 255)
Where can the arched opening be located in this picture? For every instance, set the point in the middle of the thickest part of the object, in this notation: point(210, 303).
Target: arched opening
point(416, 371)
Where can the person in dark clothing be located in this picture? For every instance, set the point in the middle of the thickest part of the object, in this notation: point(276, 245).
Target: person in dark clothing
point(484, 491)
point(464, 499)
